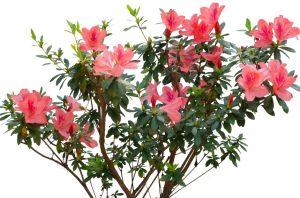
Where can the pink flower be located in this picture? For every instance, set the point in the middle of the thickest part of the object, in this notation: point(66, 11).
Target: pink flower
point(183, 90)
point(200, 31)
point(114, 63)
point(63, 123)
point(172, 109)
point(182, 94)
point(168, 95)
point(279, 78)
point(93, 39)
point(187, 58)
point(172, 21)
point(152, 94)
point(104, 63)
point(33, 105)
point(202, 84)
point(283, 29)
point(214, 57)
point(73, 104)
point(251, 81)
point(86, 138)
point(263, 34)
point(211, 15)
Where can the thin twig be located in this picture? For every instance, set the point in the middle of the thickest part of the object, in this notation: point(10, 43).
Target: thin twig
point(194, 180)
point(53, 152)
point(148, 188)
point(93, 189)
point(64, 166)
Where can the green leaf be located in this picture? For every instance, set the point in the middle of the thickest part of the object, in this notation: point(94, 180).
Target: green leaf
point(128, 28)
point(296, 87)
point(277, 55)
point(48, 49)
point(4, 117)
point(131, 11)
point(283, 104)
point(33, 36)
point(215, 125)
point(115, 114)
point(250, 115)
point(269, 105)
point(227, 126)
point(248, 24)
point(289, 49)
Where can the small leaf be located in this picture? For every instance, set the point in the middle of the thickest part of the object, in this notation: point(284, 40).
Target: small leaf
point(289, 49)
point(277, 55)
point(296, 87)
point(131, 11)
point(283, 104)
point(250, 115)
point(248, 24)
point(33, 36)
point(48, 49)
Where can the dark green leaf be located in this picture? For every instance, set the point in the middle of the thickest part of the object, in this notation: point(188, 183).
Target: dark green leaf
point(288, 49)
point(296, 87)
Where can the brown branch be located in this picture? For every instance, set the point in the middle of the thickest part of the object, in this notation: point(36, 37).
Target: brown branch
point(187, 158)
point(101, 130)
point(140, 187)
point(148, 188)
point(189, 161)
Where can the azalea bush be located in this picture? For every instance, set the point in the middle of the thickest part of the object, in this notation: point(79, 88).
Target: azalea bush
point(193, 86)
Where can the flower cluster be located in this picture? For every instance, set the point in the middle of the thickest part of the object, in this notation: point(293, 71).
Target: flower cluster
point(195, 87)
point(172, 99)
point(253, 80)
point(281, 27)
point(34, 106)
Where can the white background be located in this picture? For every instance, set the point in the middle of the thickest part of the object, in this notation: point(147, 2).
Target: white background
point(270, 168)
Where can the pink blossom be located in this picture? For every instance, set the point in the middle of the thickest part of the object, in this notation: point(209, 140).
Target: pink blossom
point(152, 94)
point(73, 104)
point(200, 31)
point(202, 84)
point(187, 58)
point(168, 95)
point(283, 29)
point(214, 57)
point(251, 81)
point(33, 105)
point(114, 63)
point(183, 90)
point(263, 34)
point(182, 93)
point(172, 21)
point(63, 123)
point(104, 63)
point(93, 39)
point(172, 109)
point(279, 78)
point(211, 15)
point(86, 138)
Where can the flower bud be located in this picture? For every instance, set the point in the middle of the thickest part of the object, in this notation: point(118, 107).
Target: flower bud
point(24, 132)
point(230, 101)
point(218, 29)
